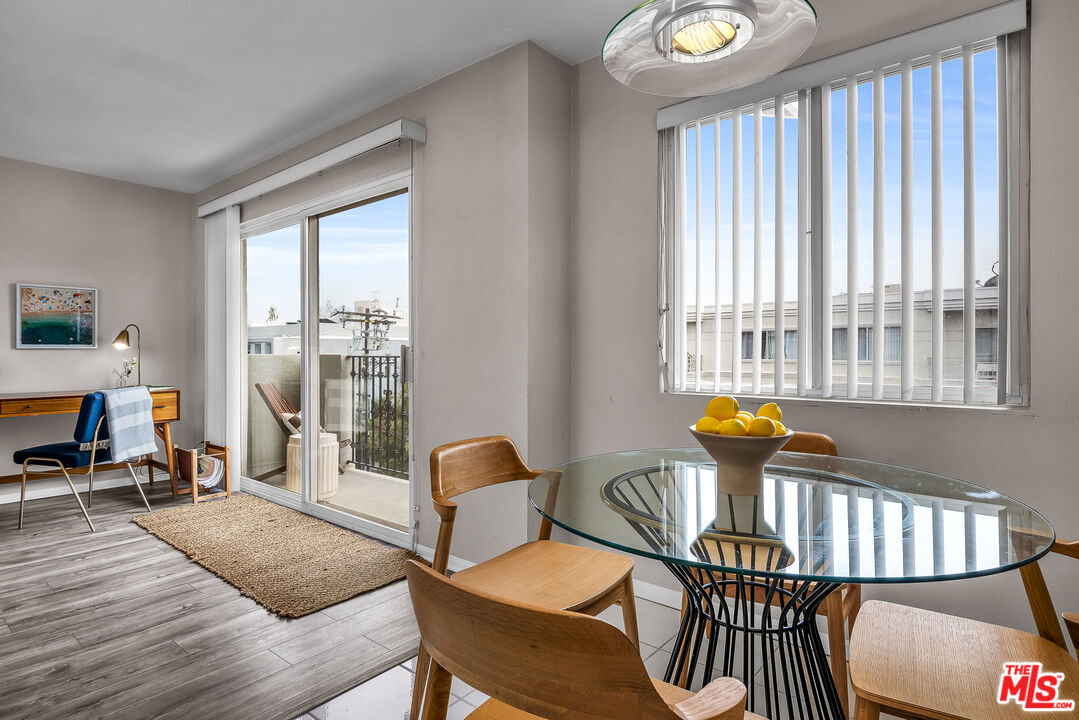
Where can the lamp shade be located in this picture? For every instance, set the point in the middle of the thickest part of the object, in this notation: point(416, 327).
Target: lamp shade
point(686, 48)
point(122, 341)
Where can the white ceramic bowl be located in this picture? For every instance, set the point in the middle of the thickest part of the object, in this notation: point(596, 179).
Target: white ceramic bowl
point(740, 459)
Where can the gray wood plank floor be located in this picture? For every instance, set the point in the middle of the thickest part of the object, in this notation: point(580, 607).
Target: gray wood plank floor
point(118, 624)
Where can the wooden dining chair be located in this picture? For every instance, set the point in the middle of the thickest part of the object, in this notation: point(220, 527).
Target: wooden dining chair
point(542, 573)
point(922, 664)
point(840, 608)
point(541, 663)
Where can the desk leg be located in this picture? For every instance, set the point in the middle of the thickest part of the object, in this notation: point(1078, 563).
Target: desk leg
point(171, 457)
point(164, 431)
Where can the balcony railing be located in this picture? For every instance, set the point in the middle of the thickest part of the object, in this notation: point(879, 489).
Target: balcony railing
point(379, 415)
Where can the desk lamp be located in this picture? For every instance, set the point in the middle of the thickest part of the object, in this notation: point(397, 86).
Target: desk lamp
point(123, 342)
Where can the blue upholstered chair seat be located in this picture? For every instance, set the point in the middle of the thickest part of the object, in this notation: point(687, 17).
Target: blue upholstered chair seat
point(66, 452)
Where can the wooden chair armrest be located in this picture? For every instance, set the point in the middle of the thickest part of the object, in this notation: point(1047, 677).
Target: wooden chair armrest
point(1071, 621)
point(721, 699)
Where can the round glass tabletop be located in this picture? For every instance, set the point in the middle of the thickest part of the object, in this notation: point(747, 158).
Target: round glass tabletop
point(820, 518)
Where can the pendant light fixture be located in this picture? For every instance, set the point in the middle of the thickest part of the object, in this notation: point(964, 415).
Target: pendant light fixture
point(685, 48)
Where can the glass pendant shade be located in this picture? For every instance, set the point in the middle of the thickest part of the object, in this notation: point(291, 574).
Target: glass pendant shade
point(686, 48)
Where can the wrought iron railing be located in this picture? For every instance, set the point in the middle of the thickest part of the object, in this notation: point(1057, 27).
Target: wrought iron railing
point(379, 414)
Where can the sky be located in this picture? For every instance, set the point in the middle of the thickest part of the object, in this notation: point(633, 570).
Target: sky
point(985, 184)
point(363, 253)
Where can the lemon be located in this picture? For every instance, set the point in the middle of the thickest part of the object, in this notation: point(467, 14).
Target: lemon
point(732, 426)
point(708, 425)
point(781, 429)
point(745, 416)
point(770, 410)
point(723, 407)
point(761, 427)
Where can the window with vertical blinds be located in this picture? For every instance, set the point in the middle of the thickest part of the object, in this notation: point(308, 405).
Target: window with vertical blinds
point(870, 221)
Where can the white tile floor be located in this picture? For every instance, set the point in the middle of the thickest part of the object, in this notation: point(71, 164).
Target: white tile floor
point(388, 696)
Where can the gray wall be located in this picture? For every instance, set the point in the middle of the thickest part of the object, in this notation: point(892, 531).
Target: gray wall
point(131, 243)
point(1028, 454)
point(491, 235)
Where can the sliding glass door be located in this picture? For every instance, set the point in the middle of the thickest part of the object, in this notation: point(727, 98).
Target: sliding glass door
point(363, 282)
point(274, 352)
point(327, 292)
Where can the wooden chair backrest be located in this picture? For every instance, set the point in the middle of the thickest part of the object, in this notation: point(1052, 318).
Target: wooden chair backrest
point(547, 662)
point(1041, 603)
point(278, 404)
point(811, 442)
point(465, 465)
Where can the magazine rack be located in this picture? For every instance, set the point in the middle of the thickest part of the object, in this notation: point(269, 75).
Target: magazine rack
point(187, 464)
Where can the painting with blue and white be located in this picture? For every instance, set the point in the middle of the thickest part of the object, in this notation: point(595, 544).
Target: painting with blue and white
point(55, 316)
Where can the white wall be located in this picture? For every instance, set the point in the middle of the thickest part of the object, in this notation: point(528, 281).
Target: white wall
point(491, 240)
point(1028, 454)
point(130, 242)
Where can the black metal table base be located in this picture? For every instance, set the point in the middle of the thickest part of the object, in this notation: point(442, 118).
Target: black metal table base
point(737, 623)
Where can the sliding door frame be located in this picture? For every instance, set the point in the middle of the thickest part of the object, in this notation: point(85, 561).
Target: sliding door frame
point(306, 215)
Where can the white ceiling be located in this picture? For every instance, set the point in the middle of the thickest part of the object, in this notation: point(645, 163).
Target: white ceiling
point(180, 94)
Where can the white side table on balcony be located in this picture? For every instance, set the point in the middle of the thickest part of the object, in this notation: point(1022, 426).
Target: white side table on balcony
point(328, 449)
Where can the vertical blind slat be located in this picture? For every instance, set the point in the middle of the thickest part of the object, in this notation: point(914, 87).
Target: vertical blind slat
point(1004, 368)
point(758, 241)
point(880, 556)
point(968, 224)
point(679, 265)
point(907, 230)
point(936, 154)
point(852, 238)
point(697, 267)
point(854, 546)
point(736, 252)
point(939, 548)
point(717, 334)
point(878, 235)
point(778, 304)
point(803, 240)
point(970, 537)
point(826, 241)
point(1014, 381)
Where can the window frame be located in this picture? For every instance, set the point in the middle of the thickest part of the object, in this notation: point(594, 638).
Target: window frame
point(1013, 336)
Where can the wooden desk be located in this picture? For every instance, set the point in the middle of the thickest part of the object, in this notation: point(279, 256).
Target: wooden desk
point(166, 411)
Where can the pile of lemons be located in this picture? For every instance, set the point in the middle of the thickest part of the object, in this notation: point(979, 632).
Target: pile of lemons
point(722, 417)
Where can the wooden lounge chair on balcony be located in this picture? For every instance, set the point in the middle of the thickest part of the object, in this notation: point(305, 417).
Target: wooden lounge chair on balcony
point(280, 407)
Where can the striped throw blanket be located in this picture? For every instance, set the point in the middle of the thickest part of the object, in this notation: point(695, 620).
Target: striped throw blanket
point(130, 413)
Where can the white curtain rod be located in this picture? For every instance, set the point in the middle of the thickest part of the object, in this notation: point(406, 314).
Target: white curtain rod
point(400, 129)
point(991, 22)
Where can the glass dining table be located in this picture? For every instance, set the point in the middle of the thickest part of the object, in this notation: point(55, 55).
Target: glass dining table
point(756, 568)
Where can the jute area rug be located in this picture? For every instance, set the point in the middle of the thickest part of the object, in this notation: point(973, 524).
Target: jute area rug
point(290, 563)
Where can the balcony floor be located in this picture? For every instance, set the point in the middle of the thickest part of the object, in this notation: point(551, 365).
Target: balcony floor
point(368, 495)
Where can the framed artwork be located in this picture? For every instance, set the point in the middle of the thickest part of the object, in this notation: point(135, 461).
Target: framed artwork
point(55, 317)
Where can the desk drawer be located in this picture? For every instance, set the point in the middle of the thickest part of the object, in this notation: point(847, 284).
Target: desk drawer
point(166, 405)
point(39, 406)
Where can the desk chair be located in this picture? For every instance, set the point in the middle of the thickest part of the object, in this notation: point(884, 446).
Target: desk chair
point(542, 663)
point(542, 573)
point(90, 428)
